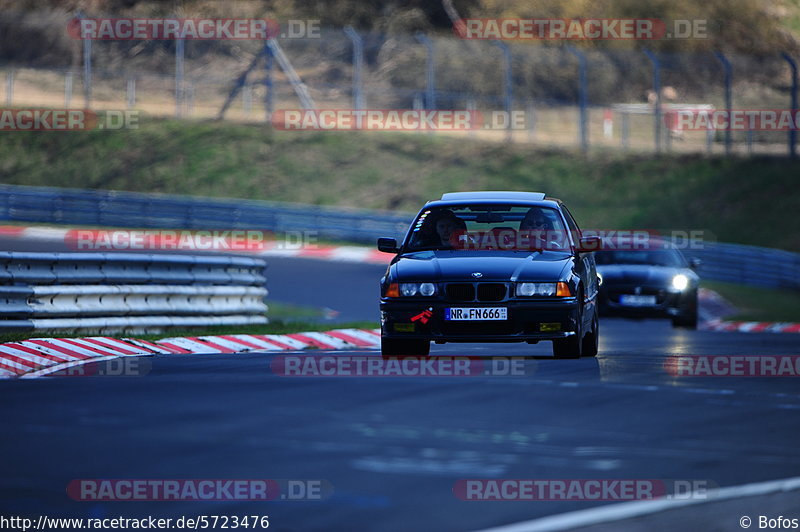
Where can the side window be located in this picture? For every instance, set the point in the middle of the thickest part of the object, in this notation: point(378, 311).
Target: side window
point(573, 227)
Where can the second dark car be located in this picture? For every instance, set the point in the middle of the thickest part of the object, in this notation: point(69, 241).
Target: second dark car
point(653, 282)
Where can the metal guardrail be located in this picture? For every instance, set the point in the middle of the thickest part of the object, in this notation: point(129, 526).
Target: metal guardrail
point(750, 265)
point(127, 209)
point(129, 291)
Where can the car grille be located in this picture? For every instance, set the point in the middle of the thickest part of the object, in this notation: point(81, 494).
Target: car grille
point(460, 292)
point(491, 291)
point(467, 291)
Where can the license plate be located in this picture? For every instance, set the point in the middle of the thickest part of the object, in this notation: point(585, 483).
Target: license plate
point(475, 314)
point(637, 301)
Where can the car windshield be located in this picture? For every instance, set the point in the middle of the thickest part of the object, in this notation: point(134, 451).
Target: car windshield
point(651, 257)
point(489, 227)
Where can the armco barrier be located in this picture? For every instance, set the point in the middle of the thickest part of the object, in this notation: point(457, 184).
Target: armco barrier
point(129, 291)
point(127, 209)
point(724, 262)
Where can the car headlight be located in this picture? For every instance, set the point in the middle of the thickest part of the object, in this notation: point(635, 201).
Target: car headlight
point(427, 289)
point(680, 282)
point(417, 289)
point(536, 289)
point(408, 289)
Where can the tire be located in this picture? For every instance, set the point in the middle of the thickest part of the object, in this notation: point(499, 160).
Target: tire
point(402, 348)
point(591, 340)
point(571, 346)
point(685, 321)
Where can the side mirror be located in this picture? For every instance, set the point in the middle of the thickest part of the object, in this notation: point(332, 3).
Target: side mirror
point(695, 263)
point(588, 244)
point(388, 245)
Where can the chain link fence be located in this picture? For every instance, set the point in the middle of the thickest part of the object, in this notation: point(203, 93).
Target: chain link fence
point(569, 96)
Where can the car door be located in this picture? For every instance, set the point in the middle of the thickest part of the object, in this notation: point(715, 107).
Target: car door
point(585, 268)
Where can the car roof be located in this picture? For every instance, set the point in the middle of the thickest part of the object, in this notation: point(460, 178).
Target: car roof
point(494, 196)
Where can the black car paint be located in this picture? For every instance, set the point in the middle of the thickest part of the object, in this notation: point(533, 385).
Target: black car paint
point(507, 266)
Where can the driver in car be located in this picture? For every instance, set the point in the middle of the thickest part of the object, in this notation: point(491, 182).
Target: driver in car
point(538, 228)
point(449, 229)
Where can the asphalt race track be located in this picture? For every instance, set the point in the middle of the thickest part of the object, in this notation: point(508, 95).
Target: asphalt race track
point(393, 447)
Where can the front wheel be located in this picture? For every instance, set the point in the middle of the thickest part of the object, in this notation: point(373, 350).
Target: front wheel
point(591, 340)
point(401, 348)
point(572, 346)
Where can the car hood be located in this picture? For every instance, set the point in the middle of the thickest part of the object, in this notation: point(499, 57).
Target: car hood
point(460, 265)
point(644, 274)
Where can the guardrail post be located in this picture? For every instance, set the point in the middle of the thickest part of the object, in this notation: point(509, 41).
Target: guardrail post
point(583, 99)
point(508, 87)
point(179, 53)
point(792, 131)
point(728, 76)
point(430, 72)
point(358, 64)
point(657, 88)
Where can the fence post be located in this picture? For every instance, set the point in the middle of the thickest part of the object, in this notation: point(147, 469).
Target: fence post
point(87, 69)
point(247, 99)
point(9, 87)
point(131, 93)
point(508, 87)
point(471, 106)
point(430, 68)
point(792, 131)
point(179, 52)
point(657, 88)
point(67, 89)
point(269, 96)
point(726, 65)
point(87, 73)
point(625, 130)
point(358, 64)
point(530, 116)
point(583, 99)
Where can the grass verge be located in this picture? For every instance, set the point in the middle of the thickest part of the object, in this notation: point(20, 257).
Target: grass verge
point(758, 304)
point(724, 196)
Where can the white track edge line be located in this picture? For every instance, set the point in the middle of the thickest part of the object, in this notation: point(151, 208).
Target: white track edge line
point(626, 510)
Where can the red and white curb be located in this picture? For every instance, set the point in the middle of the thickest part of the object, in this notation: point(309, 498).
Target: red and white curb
point(749, 326)
point(267, 248)
point(38, 357)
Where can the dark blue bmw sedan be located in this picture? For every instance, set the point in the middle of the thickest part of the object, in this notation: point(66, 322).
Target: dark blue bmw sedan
point(491, 267)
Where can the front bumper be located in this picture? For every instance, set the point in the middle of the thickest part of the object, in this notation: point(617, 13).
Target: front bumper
point(669, 302)
point(527, 321)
